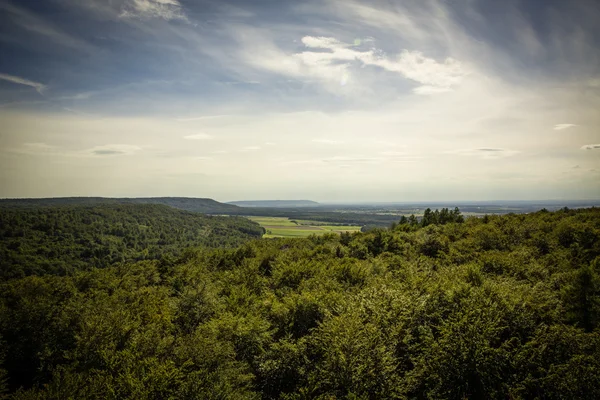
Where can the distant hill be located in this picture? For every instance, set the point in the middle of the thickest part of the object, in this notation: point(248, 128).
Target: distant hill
point(206, 206)
point(275, 203)
point(61, 239)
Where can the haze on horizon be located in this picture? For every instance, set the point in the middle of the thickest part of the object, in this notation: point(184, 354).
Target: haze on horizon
point(329, 100)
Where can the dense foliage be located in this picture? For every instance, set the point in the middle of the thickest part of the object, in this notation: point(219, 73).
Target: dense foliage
point(497, 307)
point(59, 240)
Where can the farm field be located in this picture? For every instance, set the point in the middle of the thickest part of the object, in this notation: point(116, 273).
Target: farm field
point(284, 227)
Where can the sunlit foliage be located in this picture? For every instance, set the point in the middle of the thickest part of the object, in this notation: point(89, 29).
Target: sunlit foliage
point(497, 307)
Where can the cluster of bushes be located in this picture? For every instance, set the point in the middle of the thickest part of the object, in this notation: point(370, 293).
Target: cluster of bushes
point(501, 307)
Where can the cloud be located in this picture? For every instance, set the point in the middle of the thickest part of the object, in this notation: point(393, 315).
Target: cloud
point(485, 153)
point(338, 161)
point(107, 152)
point(387, 143)
point(37, 25)
point(560, 127)
point(201, 118)
point(590, 147)
point(400, 156)
point(39, 145)
point(250, 148)
point(35, 149)
point(346, 161)
point(326, 141)
point(340, 62)
point(39, 87)
point(270, 144)
point(145, 9)
point(44, 149)
point(241, 83)
point(343, 160)
point(110, 150)
point(198, 136)
point(79, 96)
point(437, 77)
point(428, 90)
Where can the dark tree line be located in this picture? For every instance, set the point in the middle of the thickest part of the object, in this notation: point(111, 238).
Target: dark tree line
point(437, 217)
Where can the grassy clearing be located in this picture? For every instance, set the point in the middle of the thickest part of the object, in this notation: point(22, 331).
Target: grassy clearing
point(273, 221)
point(291, 233)
point(284, 227)
point(340, 228)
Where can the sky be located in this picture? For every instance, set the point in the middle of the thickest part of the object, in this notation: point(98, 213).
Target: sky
point(329, 100)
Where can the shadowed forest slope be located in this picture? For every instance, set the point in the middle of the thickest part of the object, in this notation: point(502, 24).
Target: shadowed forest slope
point(62, 239)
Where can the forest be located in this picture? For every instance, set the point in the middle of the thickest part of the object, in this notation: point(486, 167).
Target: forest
point(442, 307)
point(297, 210)
point(59, 240)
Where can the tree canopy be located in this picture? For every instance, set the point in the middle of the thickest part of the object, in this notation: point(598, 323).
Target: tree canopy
point(501, 307)
point(59, 240)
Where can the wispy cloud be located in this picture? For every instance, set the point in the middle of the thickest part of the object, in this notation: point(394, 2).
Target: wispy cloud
point(110, 150)
point(79, 96)
point(590, 147)
point(560, 127)
point(250, 148)
point(198, 136)
point(335, 161)
point(40, 26)
point(351, 160)
point(39, 87)
point(384, 157)
point(485, 152)
point(164, 9)
point(341, 62)
point(400, 156)
point(326, 141)
point(45, 149)
point(202, 118)
point(429, 90)
point(21, 103)
point(35, 149)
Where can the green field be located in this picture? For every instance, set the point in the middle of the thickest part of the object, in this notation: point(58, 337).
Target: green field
point(284, 227)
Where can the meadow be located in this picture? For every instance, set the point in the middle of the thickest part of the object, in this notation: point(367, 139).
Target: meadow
point(285, 227)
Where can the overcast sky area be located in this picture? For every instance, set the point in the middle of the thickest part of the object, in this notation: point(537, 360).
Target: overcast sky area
point(406, 100)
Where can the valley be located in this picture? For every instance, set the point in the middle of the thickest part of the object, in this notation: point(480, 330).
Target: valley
point(285, 227)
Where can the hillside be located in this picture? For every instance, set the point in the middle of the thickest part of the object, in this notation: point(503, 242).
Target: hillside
point(205, 206)
point(275, 203)
point(496, 307)
point(62, 239)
